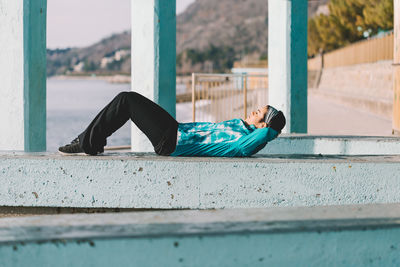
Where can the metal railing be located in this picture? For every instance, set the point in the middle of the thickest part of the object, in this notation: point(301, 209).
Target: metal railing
point(219, 97)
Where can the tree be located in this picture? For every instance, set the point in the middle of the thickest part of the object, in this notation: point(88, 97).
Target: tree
point(348, 21)
point(222, 57)
point(89, 66)
point(378, 14)
point(314, 39)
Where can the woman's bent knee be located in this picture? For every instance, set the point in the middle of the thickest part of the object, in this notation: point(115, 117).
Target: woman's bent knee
point(123, 94)
point(128, 94)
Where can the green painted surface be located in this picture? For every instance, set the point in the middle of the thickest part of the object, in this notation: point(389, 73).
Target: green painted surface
point(298, 66)
point(165, 54)
point(380, 247)
point(355, 235)
point(35, 75)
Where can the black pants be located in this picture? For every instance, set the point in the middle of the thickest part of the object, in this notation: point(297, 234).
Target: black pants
point(156, 123)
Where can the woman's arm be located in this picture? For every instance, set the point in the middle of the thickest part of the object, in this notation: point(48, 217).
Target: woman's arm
point(252, 143)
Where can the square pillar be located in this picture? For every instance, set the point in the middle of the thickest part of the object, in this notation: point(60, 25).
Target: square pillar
point(287, 61)
point(23, 75)
point(396, 69)
point(153, 58)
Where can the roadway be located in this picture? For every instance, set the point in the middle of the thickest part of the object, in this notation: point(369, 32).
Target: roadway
point(326, 117)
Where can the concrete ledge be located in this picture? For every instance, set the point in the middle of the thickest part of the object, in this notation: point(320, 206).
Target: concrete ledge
point(148, 181)
point(360, 235)
point(193, 222)
point(333, 145)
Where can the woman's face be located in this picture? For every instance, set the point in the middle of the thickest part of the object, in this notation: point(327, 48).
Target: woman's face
point(257, 117)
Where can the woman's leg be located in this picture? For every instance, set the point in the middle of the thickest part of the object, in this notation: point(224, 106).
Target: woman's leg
point(156, 123)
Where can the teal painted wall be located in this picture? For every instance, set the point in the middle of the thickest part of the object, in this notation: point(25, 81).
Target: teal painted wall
point(287, 60)
point(298, 66)
point(153, 59)
point(165, 54)
point(380, 247)
point(35, 75)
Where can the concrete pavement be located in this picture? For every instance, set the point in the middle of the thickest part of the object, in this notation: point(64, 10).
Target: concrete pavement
point(326, 117)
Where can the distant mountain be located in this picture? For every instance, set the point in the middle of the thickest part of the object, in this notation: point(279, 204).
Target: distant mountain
point(208, 32)
point(241, 24)
point(110, 55)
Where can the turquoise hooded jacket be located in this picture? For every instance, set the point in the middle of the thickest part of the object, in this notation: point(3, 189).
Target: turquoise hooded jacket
point(232, 138)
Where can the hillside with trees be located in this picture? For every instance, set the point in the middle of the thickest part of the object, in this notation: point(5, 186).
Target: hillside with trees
point(348, 21)
point(211, 35)
point(109, 56)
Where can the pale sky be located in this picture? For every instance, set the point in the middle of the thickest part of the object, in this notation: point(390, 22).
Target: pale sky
point(83, 22)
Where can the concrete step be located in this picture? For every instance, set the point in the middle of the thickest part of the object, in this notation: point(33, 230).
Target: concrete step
point(323, 144)
point(333, 145)
point(359, 235)
point(129, 180)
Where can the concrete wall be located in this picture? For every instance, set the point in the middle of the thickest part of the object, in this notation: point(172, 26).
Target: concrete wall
point(287, 59)
point(147, 181)
point(361, 235)
point(366, 86)
point(153, 58)
point(332, 145)
point(334, 248)
point(11, 75)
point(23, 75)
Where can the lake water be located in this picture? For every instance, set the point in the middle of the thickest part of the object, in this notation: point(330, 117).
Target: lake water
point(72, 104)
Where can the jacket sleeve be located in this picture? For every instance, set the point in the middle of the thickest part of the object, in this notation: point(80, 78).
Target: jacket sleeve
point(252, 143)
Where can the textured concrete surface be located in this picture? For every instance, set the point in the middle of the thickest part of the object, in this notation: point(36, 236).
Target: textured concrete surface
point(148, 181)
point(362, 235)
point(153, 58)
point(287, 60)
point(7, 211)
point(189, 222)
point(378, 247)
point(23, 75)
point(12, 75)
point(333, 145)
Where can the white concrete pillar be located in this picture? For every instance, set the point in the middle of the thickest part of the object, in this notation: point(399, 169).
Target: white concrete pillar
point(287, 61)
point(23, 75)
point(153, 58)
point(396, 69)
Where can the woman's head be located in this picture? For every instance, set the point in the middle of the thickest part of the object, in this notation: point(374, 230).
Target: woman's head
point(275, 119)
point(267, 116)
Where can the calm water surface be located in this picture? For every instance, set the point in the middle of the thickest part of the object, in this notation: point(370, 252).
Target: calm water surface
point(72, 104)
